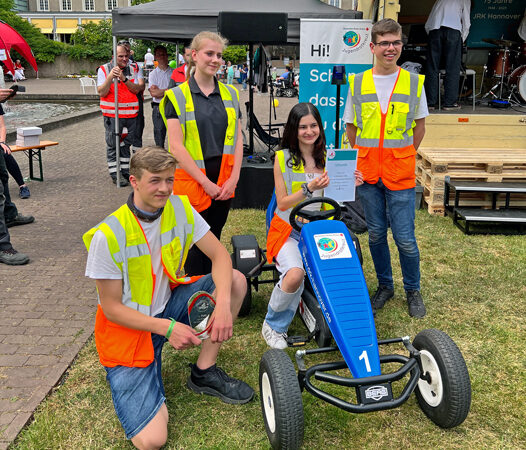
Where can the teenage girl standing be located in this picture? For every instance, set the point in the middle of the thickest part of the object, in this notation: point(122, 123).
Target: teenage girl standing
point(202, 118)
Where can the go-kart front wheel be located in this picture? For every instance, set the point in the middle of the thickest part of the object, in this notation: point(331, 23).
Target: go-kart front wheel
point(281, 402)
point(445, 393)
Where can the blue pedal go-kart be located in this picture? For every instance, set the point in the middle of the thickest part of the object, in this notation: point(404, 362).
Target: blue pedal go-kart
point(433, 368)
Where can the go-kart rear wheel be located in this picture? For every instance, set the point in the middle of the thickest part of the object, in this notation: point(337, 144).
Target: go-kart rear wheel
point(281, 402)
point(446, 395)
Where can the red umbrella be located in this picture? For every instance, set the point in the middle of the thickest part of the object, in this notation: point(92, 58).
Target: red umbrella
point(10, 38)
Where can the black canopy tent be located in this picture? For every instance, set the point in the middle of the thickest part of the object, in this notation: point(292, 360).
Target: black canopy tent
point(181, 20)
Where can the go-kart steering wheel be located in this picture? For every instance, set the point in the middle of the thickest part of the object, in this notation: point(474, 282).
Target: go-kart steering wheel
point(312, 216)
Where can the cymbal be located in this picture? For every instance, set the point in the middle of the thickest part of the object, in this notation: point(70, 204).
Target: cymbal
point(500, 42)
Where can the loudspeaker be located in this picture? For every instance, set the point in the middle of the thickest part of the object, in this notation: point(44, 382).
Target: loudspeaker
point(246, 28)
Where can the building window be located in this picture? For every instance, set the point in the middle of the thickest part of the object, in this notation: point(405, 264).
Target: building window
point(89, 5)
point(334, 3)
point(65, 5)
point(111, 4)
point(43, 5)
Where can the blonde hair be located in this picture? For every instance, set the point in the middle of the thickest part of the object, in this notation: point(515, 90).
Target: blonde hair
point(153, 159)
point(197, 43)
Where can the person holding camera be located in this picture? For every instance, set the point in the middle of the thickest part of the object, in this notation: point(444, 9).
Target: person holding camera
point(128, 109)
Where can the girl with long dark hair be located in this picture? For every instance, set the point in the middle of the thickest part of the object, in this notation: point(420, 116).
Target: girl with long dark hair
point(299, 173)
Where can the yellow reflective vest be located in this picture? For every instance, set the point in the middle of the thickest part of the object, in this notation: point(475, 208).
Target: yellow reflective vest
point(118, 345)
point(385, 140)
point(181, 98)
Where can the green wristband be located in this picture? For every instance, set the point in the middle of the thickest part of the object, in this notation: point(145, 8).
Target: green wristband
point(170, 328)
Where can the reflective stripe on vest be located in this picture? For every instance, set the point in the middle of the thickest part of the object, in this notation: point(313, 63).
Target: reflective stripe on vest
point(385, 140)
point(280, 227)
point(399, 120)
point(127, 100)
point(181, 98)
point(130, 250)
point(116, 344)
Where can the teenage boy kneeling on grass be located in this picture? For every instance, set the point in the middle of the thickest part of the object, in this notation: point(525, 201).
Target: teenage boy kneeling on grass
point(136, 256)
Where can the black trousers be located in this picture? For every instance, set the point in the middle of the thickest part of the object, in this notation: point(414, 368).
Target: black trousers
point(7, 208)
point(197, 263)
point(444, 43)
point(159, 129)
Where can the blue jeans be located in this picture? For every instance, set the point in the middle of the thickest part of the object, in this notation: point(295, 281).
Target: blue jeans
point(138, 392)
point(382, 208)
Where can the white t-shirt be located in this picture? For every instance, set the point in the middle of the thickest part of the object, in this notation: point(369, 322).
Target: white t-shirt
point(161, 79)
point(149, 59)
point(384, 85)
point(100, 264)
point(135, 76)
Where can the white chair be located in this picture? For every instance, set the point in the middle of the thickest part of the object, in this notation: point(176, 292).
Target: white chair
point(86, 82)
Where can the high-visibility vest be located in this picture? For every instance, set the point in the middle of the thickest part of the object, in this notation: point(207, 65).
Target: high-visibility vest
point(118, 345)
point(181, 98)
point(127, 100)
point(385, 140)
point(280, 228)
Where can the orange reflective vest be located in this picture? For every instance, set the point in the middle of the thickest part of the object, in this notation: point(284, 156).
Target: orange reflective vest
point(181, 98)
point(127, 100)
point(118, 345)
point(385, 140)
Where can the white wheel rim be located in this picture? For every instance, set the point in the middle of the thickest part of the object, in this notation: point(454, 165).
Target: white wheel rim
point(433, 391)
point(268, 402)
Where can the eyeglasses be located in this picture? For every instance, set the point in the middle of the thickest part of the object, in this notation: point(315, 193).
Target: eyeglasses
point(386, 44)
point(127, 43)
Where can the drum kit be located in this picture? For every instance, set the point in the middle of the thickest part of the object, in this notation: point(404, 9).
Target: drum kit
point(507, 67)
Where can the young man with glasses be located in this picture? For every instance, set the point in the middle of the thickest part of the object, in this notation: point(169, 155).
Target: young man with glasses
point(385, 116)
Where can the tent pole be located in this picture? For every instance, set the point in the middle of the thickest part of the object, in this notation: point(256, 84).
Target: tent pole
point(251, 99)
point(117, 136)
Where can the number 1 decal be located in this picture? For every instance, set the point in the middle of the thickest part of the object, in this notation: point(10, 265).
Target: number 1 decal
point(366, 359)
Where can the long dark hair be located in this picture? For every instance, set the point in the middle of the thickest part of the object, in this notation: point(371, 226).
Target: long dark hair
point(290, 136)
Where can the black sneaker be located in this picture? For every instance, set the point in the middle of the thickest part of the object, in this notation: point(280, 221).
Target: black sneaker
point(13, 258)
point(415, 304)
point(214, 381)
point(380, 297)
point(19, 219)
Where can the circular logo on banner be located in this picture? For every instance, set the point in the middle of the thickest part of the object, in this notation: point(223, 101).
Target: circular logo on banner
point(328, 245)
point(351, 39)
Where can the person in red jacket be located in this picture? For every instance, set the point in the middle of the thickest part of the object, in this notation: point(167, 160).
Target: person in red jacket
point(128, 109)
point(179, 75)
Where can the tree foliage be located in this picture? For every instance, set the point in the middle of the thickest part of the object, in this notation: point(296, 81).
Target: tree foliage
point(92, 40)
point(236, 54)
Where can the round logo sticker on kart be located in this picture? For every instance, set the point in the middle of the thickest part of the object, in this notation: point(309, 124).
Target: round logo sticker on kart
point(332, 245)
point(327, 245)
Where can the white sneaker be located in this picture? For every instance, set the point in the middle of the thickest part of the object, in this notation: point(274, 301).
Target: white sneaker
point(273, 338)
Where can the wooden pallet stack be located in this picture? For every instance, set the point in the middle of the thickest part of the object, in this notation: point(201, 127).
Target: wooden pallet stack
point(467, 164)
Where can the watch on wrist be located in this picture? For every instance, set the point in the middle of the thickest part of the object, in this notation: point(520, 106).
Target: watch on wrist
point(125, 80)
point(306, 191)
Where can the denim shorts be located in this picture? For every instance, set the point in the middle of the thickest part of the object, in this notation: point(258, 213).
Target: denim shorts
point(138, 392)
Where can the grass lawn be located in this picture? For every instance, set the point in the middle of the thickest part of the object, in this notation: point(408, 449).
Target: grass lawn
point(474, 288)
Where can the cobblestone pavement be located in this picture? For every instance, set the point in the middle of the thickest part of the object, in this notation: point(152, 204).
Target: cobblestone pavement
point(47, 307)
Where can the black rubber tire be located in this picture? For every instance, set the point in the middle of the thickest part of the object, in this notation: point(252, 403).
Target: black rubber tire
point(453, 406)
point(247, 303)
point(280, 391)
point(289, 92)
point(278, 93)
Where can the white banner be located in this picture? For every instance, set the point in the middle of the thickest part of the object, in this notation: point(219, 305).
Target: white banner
point(324, 44)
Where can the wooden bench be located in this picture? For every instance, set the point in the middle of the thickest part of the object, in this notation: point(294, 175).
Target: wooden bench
point(34, 151)
point(503, 220)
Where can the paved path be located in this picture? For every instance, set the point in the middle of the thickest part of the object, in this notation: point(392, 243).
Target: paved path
point(47, 307)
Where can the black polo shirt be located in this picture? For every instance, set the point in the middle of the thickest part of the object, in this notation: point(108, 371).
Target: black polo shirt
point(210, 116)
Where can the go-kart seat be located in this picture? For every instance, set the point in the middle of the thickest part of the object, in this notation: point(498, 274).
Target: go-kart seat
point(272, 205)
